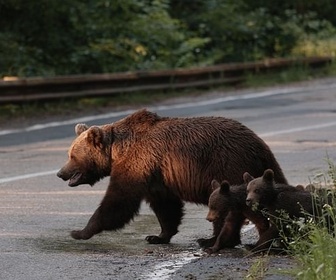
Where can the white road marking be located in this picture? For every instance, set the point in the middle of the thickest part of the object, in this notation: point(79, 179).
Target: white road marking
point(297, 129)
point(27, 176)
point(164, 270)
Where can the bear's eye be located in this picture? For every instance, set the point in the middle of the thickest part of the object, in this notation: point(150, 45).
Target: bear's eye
point(73, 157)
point(257, 191)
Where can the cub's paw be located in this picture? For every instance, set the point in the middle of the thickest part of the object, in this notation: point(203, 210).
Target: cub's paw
point(211, 250)
point(249, 247)
point(206, 242)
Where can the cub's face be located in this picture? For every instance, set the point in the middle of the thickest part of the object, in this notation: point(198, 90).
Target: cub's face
point(88, 158)
point(259, 190)
point(254, 192)
point(219, 203)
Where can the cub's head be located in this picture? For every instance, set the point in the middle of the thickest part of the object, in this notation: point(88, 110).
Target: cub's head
point(260, 190)
point(89, 156)
point(219, 201)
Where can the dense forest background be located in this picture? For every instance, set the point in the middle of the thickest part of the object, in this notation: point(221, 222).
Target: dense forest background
point(51, 37)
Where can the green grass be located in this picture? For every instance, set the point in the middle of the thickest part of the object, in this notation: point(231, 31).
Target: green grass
point(294, 74)
point(258, 269)
point(316, 252)
point(314, 245)
point(316, 255)
point(311, 244)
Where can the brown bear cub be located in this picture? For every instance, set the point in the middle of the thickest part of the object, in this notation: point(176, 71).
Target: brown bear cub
point(278, 199)
point(163, 161)
point(230, 202)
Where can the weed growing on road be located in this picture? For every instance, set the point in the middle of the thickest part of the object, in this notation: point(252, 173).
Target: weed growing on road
point(314, 244)
point(309, 240)
point(258, 269)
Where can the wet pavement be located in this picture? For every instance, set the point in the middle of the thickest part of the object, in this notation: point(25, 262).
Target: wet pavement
point(38, 210)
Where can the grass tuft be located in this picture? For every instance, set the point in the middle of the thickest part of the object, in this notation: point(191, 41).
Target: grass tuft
point(313, 243)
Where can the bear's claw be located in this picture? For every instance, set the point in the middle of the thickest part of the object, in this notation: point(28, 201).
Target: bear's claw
point(211, 250)
point(78, 234)
point(206, 242)
point(153, 239)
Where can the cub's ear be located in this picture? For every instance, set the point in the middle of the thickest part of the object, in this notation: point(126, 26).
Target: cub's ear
point(95, 137)
point(247, 177)
point(310, 188)
point(268, 175)
point(215, 184)
point(300, 187)
point(225, 187)
point(80, 128)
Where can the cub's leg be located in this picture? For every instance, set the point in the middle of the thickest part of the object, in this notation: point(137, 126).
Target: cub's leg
point(229, 236)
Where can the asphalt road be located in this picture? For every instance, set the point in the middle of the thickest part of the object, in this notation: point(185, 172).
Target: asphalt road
point(38, 210)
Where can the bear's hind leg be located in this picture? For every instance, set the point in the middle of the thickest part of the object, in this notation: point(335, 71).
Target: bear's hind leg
point(169, 211)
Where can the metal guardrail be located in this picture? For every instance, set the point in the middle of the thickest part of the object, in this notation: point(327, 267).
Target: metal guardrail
point(97, 85)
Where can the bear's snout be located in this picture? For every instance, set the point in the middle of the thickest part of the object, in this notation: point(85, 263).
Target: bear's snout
point(74, 176)
point(248, 202)
point(212, 216)
point(60, 174)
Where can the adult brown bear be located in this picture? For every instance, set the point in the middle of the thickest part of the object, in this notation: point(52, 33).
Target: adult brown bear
point(164, 161)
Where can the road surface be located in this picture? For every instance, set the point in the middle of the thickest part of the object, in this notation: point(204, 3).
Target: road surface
point(38, 210)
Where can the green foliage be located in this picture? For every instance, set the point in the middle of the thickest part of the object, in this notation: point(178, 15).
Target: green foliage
point(258, 269)
point(316, 254)
point(50, 37)
point(313, 243)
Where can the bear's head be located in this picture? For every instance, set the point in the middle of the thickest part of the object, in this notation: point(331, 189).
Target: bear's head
point(89, 156)
point(260, 190)
point(219, 201)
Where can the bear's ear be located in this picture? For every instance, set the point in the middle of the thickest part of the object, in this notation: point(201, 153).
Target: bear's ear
point(268, 175)
point(80, 128)
point(95, 137)
point(300, 187)
point(247, 177)
point(225, 187)
point(215, 184)
point(310, 188)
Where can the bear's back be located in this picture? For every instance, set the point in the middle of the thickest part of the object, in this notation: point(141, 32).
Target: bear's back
point(189, 153)
point(295, 203)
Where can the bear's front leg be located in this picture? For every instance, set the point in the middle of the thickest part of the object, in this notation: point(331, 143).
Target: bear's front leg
point(266, 240)
point(229, 236)
point(93, 227)
point(217, 227)
point(112, 214)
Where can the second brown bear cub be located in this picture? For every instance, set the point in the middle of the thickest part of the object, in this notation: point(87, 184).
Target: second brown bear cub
point(229, 202)
point(263, 192)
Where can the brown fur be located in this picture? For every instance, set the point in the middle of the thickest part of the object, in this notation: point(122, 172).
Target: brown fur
point(164, 161)
point(263, 192)
point(230, 202)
